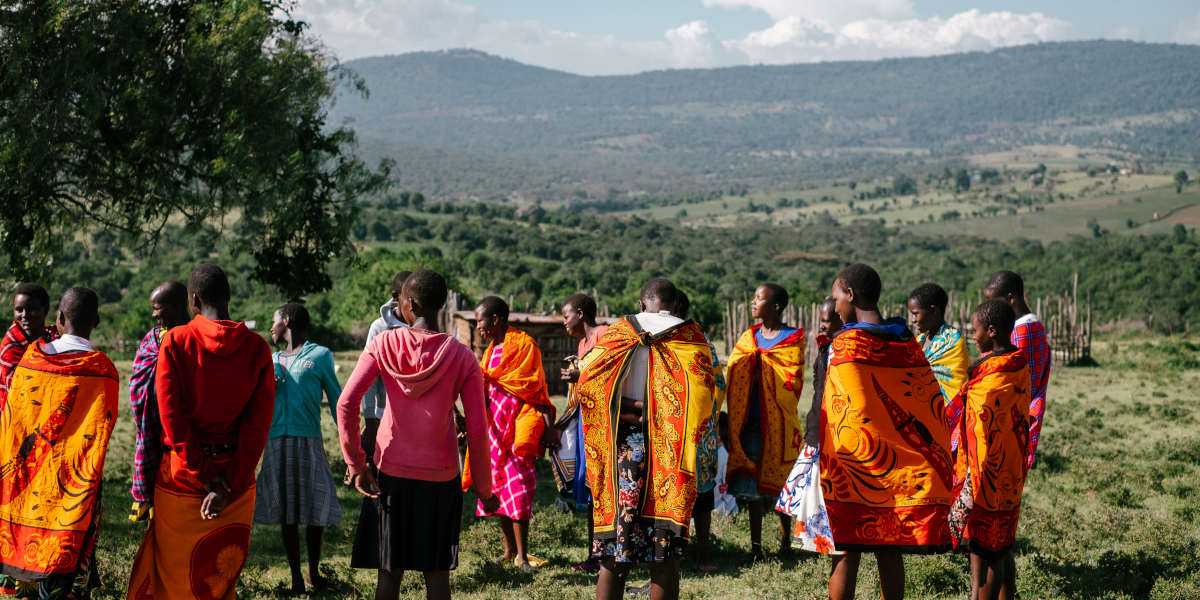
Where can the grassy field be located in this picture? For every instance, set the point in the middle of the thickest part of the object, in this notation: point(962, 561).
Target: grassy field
point(1083, 195)
point(1112, 510)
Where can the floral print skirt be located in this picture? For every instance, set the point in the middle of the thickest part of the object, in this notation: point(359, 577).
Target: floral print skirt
point(802, 499)
point(636, 540)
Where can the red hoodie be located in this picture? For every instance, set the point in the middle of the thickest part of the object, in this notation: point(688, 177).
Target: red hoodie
point(424, 373)
point(216, 386)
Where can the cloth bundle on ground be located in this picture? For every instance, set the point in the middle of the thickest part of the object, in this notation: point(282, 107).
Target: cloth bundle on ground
point(54, 434)
point(766, 383)
point(885, 466)
point(643, 476)
point(989, 467)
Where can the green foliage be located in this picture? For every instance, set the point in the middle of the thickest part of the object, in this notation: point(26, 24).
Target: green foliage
point(131, 115)
point(492, 249)
point(904, 185)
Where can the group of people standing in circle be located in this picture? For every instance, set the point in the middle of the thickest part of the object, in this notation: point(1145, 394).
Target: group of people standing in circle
point(907, 446)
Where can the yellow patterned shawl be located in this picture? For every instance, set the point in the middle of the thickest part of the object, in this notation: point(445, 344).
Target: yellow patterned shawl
point(678, 406)
point(780, 377)
point(949, 359)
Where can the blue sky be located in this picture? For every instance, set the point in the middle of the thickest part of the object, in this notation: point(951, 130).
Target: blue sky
point(626, 36)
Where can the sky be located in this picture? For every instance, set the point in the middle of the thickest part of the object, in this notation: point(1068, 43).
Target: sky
point(631, 36)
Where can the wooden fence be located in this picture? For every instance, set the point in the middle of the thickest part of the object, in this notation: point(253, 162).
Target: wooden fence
point(1068, 323)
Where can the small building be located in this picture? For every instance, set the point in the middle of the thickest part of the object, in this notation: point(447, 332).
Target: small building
point(546, 330)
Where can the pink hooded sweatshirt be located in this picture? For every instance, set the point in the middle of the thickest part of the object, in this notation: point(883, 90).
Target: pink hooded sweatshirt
point(423, 373)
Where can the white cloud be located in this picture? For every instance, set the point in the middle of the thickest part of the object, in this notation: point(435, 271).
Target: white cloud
point(822, 11)
point(1187, 31)
point(796, 39)
point(802, 31)
point(358, 28)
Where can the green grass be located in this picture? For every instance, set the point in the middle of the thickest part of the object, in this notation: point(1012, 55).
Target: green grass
point(1111, 512)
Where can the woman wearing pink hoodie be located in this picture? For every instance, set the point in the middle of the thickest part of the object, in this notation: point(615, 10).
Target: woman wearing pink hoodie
point(418, 493)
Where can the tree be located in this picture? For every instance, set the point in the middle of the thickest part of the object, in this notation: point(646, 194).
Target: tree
point(962, 181)
point(903, 185)
point(1181, 179)
point(128, 115)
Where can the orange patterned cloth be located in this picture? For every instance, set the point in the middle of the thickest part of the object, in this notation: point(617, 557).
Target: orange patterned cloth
point(520, 373)
point(520, 368)
point(184, 556)
point(994, 442)
point(678, 407)
point(774, 379)
point(54, 434)
point(886, 474)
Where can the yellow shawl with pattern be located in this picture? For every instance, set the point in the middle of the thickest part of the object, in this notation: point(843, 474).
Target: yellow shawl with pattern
point(678, 406)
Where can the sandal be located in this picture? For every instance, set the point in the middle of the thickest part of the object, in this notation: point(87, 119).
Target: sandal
point(533, 561)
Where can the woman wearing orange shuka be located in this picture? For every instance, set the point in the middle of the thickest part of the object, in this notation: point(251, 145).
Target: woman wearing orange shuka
point(886, 472)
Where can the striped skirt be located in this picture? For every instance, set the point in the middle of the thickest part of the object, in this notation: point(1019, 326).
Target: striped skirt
point(295, 485)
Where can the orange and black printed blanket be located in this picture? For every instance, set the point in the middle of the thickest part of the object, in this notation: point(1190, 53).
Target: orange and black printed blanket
point(990, 462)
point(886, 473)
point(678, 406)
point(54, 433)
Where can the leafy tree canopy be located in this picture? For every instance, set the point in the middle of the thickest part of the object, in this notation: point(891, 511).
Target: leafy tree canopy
point(129, 115)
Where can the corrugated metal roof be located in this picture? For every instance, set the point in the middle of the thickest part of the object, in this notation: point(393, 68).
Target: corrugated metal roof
point(531, 318)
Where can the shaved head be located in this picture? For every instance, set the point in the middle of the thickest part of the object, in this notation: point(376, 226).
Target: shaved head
point(1003, 284)
point(170, 293)
point(169, 304)
point(660, 291)
point(79, 311)
point(209, 283)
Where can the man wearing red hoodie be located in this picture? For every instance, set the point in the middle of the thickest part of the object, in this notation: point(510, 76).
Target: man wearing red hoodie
point(418, 494)
point(216, 395)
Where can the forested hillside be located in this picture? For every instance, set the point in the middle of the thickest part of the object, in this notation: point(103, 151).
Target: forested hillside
point(469, 124)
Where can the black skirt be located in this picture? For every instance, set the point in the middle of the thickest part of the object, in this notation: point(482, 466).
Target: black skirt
point(419, 523)
point(364, 554)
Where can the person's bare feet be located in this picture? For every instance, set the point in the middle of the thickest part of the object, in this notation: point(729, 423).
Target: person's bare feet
point(298, 587)
point(591, 565)
point(316, 582)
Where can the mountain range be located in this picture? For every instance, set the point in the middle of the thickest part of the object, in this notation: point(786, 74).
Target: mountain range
point(468, 124)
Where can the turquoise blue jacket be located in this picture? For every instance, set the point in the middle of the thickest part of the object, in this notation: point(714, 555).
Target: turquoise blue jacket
point(298, 392)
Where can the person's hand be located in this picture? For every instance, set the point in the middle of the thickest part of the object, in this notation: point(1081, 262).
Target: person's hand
point(460, 424)
point(552, 438)
point(212, 505)
point(365, 484)
point(570, 374)
point(491, 504)
point(216, 499)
